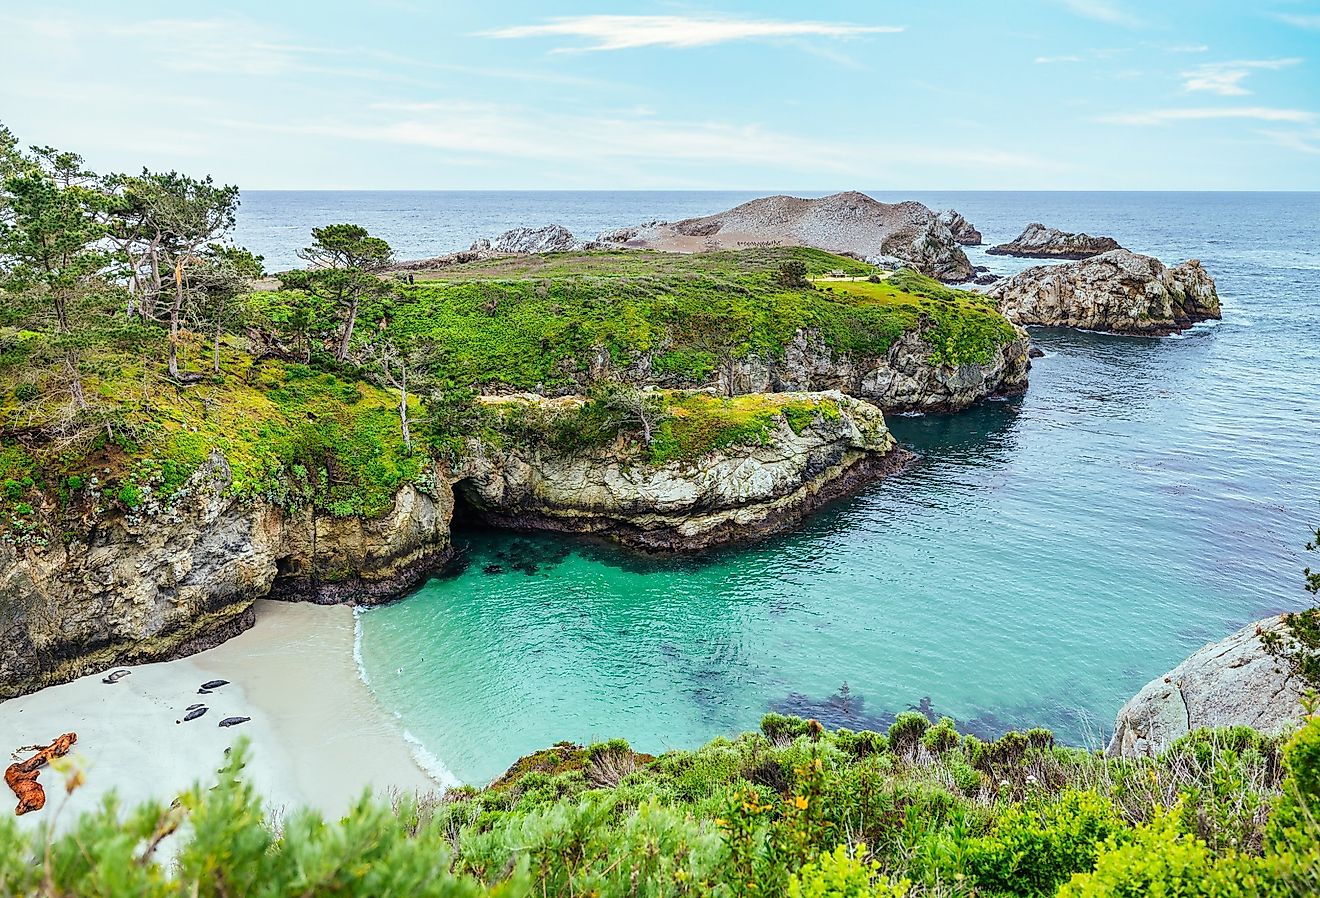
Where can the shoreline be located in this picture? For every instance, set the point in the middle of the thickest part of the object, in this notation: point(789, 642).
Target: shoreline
point(318, 737)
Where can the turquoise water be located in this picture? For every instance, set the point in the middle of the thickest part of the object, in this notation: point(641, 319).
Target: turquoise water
point(1043, 559)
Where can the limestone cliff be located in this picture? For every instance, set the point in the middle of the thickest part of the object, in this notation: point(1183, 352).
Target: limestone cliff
point(168, 580)
point(1119, 292)
point(730, 494)
point(1230, 683)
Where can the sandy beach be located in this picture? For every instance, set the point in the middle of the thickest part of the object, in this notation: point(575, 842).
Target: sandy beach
point(318, 736)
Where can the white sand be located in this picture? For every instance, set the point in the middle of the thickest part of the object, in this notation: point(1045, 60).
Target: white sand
point(318, 736)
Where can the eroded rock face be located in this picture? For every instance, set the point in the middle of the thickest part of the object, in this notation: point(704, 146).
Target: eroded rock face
point(1040, 242)
point(963, 230)
point(902, 380)
point(549, 239)
point(1119, 292)
point(1230, 683)
point(849, 223)
point(728, 495)
point(133, 588)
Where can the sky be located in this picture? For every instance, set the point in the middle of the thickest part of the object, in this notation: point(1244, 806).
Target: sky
point(688, 94)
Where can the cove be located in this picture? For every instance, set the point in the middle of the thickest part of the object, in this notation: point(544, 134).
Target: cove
point(1043, 559)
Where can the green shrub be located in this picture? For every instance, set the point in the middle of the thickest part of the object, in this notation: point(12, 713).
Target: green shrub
point(906, 731)
point(1035, 847)
point(840, 874)
point(942, 737)
point(130, 495)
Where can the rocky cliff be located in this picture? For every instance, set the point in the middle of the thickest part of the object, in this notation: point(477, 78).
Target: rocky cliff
point(850, 223)
point(167, 580)
point(762, 485)
point(1039, 242)
point(963, 230)
point(1119, 292)
point(549, 239)
point(1230, 683)
point(904, 379)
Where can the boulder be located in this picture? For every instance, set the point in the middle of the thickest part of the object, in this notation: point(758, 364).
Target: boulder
point(848, 223)
point(1230, 683)
point(1118, 292)
point(549, 239)
point(1040, 242)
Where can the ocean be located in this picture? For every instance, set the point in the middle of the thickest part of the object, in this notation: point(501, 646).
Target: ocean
point(1044, 558)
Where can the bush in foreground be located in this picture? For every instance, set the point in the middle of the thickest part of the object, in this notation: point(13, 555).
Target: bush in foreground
point(792, 811)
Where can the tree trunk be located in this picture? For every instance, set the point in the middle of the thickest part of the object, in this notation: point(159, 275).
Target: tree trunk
point(147, 303)
point(75, 380)
point(403, 408)
point(175, 309)
point(341, 351)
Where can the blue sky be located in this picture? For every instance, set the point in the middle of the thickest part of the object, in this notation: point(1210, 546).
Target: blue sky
point(1038, 94)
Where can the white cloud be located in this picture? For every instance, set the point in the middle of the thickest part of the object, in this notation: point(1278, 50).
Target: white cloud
point(1167, 116)
point(1048, 60)
point(1102, 11)
point(1300, 20)
point(615, 32)
point(1304, 141)
point(1225, 78)
point(1188, 48)
point(464, 130)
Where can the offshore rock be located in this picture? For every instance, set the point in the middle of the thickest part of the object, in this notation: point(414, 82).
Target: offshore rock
point(733, 494)
point(1230, 683)
point(1120, 292)
point(1040, 242)
point(129, 588)
point(848, 223)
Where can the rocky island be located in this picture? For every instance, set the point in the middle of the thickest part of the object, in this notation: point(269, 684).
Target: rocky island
point(1117, 292)
point(1039, 242)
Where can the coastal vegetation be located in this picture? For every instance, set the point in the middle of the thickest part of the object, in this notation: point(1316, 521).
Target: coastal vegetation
point(791, 810)
point(133, 345)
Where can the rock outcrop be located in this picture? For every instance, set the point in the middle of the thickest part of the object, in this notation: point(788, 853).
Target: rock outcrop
point(1040, 242)
point(732, 494)
point(850, 223)
point(963, 230)
point(1119, 292)
point(552, 238)
point(1230, 683)
point(901, 380)
point(162, 583)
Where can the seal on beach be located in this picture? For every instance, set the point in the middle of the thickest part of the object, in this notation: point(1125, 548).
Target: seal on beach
point(234, 721)
point(214, 684)
point(22, 777)
point(116, 676)
point(194, 714)
point(194, 707)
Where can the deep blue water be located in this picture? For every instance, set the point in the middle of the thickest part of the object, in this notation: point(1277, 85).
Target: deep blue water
point(1044, 559)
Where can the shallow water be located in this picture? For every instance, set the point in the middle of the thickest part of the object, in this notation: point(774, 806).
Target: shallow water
point(1044, 558)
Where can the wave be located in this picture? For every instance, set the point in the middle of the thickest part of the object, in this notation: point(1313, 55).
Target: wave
point(425, 758)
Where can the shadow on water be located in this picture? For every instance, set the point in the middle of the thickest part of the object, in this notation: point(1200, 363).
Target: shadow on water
point(848, 709)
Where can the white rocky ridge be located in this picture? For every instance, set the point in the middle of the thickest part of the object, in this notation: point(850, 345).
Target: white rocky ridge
point(552, 238)
point(848, 223)
point(1230, 683)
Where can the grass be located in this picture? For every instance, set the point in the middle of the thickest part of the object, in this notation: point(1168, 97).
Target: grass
point(540, 322)
point(326, 436)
